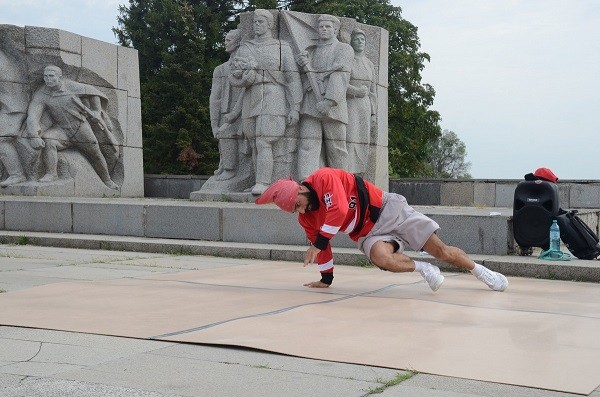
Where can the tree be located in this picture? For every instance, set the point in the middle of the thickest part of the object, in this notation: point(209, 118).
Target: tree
point(447, 157)
point(180, 43)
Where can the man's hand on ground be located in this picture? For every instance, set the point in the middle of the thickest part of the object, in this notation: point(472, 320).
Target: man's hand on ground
point(316, 284)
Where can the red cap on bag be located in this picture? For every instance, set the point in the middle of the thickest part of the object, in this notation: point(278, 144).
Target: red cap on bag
point(546, 174)
point(283, 193)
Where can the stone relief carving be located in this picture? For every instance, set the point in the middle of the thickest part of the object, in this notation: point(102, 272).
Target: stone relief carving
point(362, 105)
point(309, 99)
point(70, 115)
point(225, 111)
point(324, 109)
point(12, 115)
point(265, 67)
point(13, 108)
point(235, 172)
point(66, 114)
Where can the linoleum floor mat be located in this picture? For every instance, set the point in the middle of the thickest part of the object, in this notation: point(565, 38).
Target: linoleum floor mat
point(538, 333)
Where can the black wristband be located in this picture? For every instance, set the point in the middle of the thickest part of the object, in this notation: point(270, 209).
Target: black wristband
point(327, 278)
point(321, 242)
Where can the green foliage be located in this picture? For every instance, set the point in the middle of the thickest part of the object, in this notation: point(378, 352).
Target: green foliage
point(180, 43)
point(447, 157)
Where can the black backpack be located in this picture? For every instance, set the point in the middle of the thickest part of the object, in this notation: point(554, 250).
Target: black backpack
point(577, 236)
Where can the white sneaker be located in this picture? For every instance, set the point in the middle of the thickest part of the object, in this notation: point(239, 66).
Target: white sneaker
point(432, 275)
point(494, 280)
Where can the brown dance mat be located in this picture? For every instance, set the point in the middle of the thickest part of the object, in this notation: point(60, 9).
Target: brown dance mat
point(538, 333)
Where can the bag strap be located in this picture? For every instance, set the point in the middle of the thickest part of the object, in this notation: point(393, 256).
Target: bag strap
point(363, 201)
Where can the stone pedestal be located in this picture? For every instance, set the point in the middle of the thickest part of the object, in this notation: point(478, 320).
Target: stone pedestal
point(90, 69)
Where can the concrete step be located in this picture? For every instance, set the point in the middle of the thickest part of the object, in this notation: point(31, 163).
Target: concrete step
point(475, 230)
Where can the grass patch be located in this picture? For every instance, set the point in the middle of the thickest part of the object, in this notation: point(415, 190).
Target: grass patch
point(261, 366)
point(365, 263)
point(22, 240)
point(401, 377)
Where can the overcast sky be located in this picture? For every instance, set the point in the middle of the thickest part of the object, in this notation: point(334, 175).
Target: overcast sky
point(516, 80)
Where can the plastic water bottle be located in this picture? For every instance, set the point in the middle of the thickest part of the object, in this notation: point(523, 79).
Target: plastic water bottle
point(554, 236)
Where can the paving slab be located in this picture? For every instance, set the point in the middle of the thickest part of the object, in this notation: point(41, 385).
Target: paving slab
point(95, 364)
point(432, 385)
point(33, 387)
point(37, 362)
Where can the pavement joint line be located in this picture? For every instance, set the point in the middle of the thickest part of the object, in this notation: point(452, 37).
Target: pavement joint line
point(272, 312)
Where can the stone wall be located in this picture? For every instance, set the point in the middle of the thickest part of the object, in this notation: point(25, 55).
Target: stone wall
point(82, 133)
point(576, 194)
point(490, 193)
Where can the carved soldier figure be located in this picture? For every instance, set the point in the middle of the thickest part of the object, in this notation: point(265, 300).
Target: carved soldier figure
point(13, 108)
point(362, 108)
point(11, 118)
point(69, 105)
point(324, 109)
point(271, 102)
point(225, 111)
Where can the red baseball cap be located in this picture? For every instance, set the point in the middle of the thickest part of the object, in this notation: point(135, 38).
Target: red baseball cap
point(283, 193)
point(546, 174)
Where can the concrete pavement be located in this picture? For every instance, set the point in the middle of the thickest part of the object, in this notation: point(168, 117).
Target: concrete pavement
point(36, 362)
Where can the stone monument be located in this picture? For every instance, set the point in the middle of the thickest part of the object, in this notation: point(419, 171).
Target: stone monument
point(70, 115)
point(311, 92)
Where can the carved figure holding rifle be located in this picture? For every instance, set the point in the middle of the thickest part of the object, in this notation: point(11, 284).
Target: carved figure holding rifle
point(324, 112)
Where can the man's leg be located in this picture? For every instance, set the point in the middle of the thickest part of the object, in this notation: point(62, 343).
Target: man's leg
point(88, 146)
point(264, 164)
point(249, 132)
point(219, 169)
point(447, 253)
point(54, 140)
point(11, 161)
point(94, 156)
point(335, 144)
point(457, 257)
point(309, 146)
point(385, 255)
point(269, 130)
point(229, 158)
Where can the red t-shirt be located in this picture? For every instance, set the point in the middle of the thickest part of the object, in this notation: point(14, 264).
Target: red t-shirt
point(338, 211)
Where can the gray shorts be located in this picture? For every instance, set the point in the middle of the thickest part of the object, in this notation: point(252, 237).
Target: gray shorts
point(398, 222)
